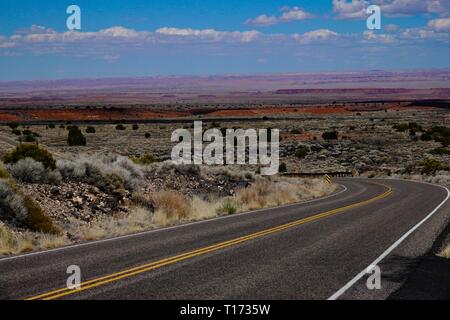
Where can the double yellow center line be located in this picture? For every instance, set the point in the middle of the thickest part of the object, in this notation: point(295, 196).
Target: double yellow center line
point(198, 252)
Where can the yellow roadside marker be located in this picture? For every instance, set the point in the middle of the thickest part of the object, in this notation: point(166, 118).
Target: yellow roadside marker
point(327, 179)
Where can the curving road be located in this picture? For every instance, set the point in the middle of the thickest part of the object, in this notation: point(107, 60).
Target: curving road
point(312, 250)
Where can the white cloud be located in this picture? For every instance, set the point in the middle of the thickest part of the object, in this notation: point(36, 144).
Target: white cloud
point(356, 9)
point(293, 14)
point(319, 35)
point(210, 34)
point(440, 25)
point(288, 14)
point(411, 7)
point(391, 27)
point(371, 36)
point(262, 20)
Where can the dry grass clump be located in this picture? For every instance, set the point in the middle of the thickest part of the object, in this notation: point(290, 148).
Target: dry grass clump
point(269, 193)
point(203, 209)
point(440, 177)
point(14, 243)
point(445, 253)
point(138, 219)
point(171, 206)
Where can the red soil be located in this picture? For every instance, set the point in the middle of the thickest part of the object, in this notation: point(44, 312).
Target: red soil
point(8, 117)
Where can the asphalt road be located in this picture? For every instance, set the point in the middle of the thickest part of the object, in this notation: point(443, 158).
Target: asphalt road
point(302, 251)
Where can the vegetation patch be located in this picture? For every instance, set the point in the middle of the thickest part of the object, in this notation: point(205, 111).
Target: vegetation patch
point(32, 151)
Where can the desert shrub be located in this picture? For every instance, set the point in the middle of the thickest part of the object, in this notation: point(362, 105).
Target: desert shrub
point(426, 136)
point(109, 173)
point(7, 241)
point(20, 210)
point(29, 170)
point(440, 151)
point(120, 127)
point(445, 253)
point(37, 220)
point(170, 206)
point(296, 131)
point(33, 151)
point(75, 137)
point(301, 152)
point(282, 167)
point(13, 125)
point(135, 127)
point(330, 135)
point(28, 138)
point(255, 196)
point(112, 182)
point(12, 206)
point(17, 132)
point(431, 166)
point(144, 160)
point(4, 174)
point(411, 126)
point(228, 206)
point(441, 131)
point(147, 135)
point(28, 132)
point(51, 126)
point(90, 129)
point(71, 169)
point(182, 169)
point(143, 201)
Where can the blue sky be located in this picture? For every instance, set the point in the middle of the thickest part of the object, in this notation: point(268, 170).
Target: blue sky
point(167, 37)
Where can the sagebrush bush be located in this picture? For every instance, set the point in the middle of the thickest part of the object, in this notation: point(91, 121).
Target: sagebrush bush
point(12, 206)
point(29, 170)
point(33, 151)
point(21, 211)
point(109, 173)
point(90, 129)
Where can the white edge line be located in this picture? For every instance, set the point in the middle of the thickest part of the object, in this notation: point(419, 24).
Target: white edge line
point(168, 228)
point(349, 284)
